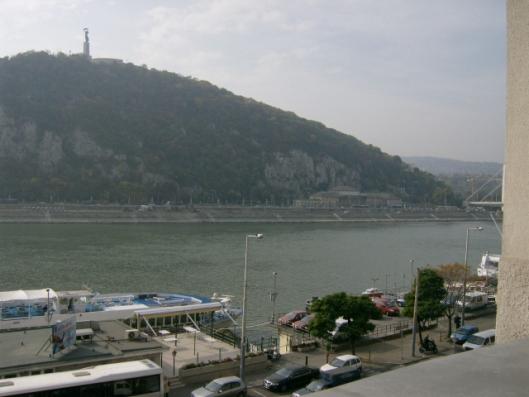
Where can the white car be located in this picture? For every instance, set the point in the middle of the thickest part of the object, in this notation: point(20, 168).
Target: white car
point(344, 361)
point(480, 339)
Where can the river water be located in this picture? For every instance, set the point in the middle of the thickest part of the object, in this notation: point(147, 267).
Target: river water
point(310, 259)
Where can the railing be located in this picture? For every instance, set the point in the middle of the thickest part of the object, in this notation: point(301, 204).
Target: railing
point(390, 329)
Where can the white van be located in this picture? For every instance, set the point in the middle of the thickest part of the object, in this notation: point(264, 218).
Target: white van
point(480, 339)
point(474, 300)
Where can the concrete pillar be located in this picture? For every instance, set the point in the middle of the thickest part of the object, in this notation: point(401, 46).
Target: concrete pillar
point(512, 320)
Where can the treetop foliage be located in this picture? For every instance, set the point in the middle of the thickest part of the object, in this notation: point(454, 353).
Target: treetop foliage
point(431, 294)
point(357, 310)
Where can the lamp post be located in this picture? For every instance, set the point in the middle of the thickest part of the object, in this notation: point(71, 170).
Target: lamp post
point(48, 306)
point(273, 297)
point(415, 305)
point(467, 242)
point(243, 321)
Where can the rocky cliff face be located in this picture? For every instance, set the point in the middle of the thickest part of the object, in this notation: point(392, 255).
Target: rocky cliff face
point(298, 171)
point(25, 143)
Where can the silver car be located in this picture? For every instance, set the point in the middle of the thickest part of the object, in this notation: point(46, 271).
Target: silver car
point(227, 386)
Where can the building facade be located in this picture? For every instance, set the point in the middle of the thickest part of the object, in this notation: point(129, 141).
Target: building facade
point(513, 278)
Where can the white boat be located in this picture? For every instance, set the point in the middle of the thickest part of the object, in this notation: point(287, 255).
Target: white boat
point(489, 265)
point(44, 307)
point(373, 292)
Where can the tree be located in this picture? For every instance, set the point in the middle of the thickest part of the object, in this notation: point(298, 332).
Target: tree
point(357, 310)
point(431, 295)
point(453, 275)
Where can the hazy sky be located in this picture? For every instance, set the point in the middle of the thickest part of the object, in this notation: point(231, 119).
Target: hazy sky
point(414, 77)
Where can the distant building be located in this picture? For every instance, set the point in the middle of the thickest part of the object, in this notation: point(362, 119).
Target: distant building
point(348, 197)
point(107, 61)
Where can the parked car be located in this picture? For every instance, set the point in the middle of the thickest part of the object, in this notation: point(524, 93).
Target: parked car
point(461, 334)
point(290, 377)
point(331, 378)
point(386, 307)
point(312, 387)
point(291, 317)
point(480, 339)
point(343, 361)
point(303, 324)
point(474, 300)
point(221, 387)
point(342, 375)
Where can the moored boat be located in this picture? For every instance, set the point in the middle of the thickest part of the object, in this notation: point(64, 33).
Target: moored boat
point(45, 307)
point(489, 265)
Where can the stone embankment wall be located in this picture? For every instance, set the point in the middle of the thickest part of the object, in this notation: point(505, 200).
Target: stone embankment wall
point(59, 213)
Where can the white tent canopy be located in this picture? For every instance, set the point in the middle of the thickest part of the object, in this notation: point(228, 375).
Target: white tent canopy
point(27, 296)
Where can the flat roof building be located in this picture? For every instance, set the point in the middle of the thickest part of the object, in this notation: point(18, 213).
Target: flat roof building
point(29, 352)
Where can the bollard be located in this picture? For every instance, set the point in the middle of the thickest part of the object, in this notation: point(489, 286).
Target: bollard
point(306, 361)
point(220, 354)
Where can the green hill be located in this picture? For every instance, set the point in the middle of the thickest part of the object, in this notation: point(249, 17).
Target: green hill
point(74, 130)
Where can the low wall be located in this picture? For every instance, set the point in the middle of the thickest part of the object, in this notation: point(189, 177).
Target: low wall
point(70, 213)
point(208, 372)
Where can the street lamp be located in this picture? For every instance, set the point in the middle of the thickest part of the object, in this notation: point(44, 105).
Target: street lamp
point(243, 321)
point(467, 242)
point(48, 306)
point(273, 297)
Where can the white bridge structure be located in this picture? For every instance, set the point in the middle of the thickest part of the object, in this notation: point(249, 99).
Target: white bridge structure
point(482, 196)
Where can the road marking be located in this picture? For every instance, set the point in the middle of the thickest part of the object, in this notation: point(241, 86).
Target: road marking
point(258, 393)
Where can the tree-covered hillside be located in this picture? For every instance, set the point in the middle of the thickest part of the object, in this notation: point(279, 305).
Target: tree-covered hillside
point(74, 130)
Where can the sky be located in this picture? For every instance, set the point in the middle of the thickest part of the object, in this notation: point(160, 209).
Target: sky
point(413, 77)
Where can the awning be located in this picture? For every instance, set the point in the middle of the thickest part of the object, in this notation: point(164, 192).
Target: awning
point(27, 296)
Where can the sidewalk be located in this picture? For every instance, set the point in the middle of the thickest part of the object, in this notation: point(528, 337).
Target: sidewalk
point(387, 353)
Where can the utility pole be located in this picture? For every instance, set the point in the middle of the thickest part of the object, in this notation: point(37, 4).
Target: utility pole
point(415, 303)
point(412, 261)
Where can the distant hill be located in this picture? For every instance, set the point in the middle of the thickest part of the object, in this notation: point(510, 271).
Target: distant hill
point(72, 130)
point(442, 166)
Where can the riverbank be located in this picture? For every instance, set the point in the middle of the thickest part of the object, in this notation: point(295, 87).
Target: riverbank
point(73, 213)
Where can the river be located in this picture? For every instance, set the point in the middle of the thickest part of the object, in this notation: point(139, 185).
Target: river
point(310, 259)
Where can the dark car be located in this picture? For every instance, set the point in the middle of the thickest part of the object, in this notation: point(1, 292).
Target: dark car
point(290, 377)
point(461, 335)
